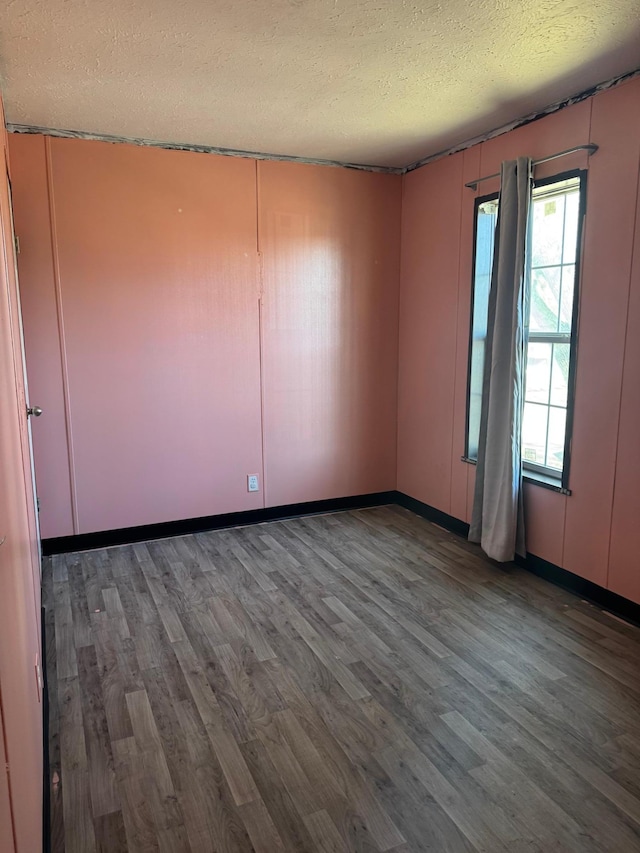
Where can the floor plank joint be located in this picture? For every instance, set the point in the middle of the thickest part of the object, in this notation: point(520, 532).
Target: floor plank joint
point(355, 681)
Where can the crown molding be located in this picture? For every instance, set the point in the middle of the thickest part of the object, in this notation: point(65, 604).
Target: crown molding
point(199, 149)
point(386, 170)
point(505, 128)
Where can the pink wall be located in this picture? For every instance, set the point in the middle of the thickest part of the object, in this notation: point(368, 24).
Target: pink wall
point(624, 571)
point(426, 392)
point(223, 317)
point(20, 708)
point(147, 339)
point(605, 288)
point(575, 532)
point(329, 240)
point(159, 301)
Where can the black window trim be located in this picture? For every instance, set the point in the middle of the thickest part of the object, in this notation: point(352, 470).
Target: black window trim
point(532, 473)
point(480, 200)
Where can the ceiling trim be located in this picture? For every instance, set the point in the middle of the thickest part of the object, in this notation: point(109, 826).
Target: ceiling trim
point(505, 128)
point(388, 170)
point(199, 149)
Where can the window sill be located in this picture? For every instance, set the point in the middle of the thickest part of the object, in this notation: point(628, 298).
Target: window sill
point(533, 477)
point(545, 481)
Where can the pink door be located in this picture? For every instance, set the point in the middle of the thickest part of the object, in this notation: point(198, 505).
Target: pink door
point(20, 653)
point(6, 823)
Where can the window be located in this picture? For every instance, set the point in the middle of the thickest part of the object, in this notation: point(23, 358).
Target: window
point(557, 210)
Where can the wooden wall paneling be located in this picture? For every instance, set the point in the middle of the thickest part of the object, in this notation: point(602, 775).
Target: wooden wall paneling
point(428, 321)
point(609, 233)
point(329, 241)
point(159, 291)
point(624, 566)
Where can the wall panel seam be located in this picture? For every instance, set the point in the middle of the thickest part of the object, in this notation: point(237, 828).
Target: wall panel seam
point(624, 359)
point(399, 292)
point(260, 272)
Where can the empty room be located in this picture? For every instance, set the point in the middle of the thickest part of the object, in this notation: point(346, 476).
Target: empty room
point(319, 426)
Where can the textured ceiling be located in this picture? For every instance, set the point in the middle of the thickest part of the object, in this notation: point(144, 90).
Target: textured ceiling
point(381, 82)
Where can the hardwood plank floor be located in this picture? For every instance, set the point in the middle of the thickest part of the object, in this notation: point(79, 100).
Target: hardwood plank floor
point(359, 681)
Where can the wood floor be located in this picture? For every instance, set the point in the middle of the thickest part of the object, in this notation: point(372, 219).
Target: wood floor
point(357, 681)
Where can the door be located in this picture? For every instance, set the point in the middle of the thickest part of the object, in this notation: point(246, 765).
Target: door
point(6, 821)
point(30, 410)
point(20, 689)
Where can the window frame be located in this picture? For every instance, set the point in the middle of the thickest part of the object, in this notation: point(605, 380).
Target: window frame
point(548, 477)
point(478, 202)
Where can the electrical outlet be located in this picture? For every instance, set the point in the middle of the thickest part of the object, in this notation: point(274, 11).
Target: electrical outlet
point(253, 484)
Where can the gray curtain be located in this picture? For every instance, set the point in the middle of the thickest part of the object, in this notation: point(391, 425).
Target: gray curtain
point(497, 521)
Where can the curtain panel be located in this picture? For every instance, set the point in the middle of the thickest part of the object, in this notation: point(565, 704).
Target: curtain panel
point(497, 521)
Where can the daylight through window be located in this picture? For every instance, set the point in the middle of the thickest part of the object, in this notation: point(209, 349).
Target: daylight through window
point(556, 214)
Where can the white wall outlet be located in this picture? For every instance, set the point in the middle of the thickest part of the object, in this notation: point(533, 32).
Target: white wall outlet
point(253, 484)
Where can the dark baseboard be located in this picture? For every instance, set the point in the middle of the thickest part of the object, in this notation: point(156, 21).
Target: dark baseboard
point(604, 598)
point(46, 774)
point(442, 519)
point(146, 532)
